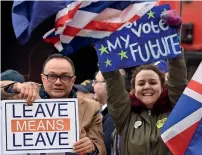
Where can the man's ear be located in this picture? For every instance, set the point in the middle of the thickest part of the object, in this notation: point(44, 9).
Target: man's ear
point(74, 79)
point(42, 77)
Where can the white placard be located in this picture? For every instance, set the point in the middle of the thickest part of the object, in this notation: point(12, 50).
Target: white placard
point(48, 126)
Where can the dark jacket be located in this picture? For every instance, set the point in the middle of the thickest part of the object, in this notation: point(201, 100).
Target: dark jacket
point(140, 130)
point(108, 128)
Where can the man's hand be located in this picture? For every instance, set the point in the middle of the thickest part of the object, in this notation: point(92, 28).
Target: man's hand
point(84, 145)
point(27, 90)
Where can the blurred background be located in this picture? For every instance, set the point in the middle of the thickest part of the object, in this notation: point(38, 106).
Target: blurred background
point(28, 58)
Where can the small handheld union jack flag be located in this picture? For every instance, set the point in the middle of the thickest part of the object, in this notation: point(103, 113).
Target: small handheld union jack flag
point(182, 132)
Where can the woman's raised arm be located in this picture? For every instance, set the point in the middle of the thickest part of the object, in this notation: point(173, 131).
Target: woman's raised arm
point(177, 78)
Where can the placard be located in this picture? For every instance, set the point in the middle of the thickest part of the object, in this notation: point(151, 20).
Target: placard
point(48, 126)
point(144, 41)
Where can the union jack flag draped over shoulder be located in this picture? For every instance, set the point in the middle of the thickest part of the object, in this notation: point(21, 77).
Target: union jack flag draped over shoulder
point(182, 132)
point(82, 23)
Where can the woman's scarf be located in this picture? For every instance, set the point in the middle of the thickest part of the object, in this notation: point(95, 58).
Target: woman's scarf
point(161, 105)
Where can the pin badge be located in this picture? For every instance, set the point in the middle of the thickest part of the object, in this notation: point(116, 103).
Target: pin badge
point(137, 124)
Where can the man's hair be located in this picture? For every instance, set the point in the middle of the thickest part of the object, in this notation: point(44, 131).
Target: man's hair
point(59, 56)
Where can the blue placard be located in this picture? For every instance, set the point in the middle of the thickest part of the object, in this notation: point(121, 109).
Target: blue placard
point(144, 41)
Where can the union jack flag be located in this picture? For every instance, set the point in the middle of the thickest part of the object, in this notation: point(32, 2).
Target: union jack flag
point(84, 22)
point(182, 132)
point(28, 15)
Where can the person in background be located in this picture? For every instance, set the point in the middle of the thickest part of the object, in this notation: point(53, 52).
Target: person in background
point(58, 77)
point(12, 75)
point(85, 89)
point(107, 122)
point(163, 67)
point(8, 77)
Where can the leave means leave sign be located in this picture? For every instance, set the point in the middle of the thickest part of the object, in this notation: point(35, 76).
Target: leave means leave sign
point(49, 126)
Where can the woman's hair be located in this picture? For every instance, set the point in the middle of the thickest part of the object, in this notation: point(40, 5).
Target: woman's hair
point(148, 67)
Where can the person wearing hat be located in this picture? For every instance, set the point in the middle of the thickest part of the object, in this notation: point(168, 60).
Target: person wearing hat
point(85, 89)
point(9, 76)
point(12, 75)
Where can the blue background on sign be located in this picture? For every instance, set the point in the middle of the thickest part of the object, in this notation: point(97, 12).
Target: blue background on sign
point(111, 60)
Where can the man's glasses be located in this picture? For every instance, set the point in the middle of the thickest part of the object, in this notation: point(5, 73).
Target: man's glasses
point(54, 77)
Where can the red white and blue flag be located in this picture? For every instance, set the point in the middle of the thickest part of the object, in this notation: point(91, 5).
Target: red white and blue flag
point(82, 23)
point(182, 132)
point(28, 15)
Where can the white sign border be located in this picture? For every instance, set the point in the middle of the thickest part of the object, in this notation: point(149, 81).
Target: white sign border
point(45, 150)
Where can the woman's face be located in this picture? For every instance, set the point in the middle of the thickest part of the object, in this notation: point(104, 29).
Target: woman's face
point(147, 87)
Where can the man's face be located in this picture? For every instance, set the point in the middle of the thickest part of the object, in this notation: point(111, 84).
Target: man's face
point(58, 88)
point(100, 89)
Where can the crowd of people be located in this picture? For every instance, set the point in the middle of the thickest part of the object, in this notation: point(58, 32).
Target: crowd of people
point(118, 115)
point(115, 118)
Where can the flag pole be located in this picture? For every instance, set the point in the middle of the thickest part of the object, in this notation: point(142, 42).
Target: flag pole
point(181, 17)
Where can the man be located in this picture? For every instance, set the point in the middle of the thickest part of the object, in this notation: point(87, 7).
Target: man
point(85, 89)
point(101, 96)
point(58, 77)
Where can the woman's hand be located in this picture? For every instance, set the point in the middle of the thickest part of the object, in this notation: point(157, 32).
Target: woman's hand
point(172, 18)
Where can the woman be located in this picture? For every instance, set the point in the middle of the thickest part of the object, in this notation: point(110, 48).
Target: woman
point(163, 67)
point(139, 118)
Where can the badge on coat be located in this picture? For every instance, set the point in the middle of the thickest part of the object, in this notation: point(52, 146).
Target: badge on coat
point(137, 124)
point(161, 122)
